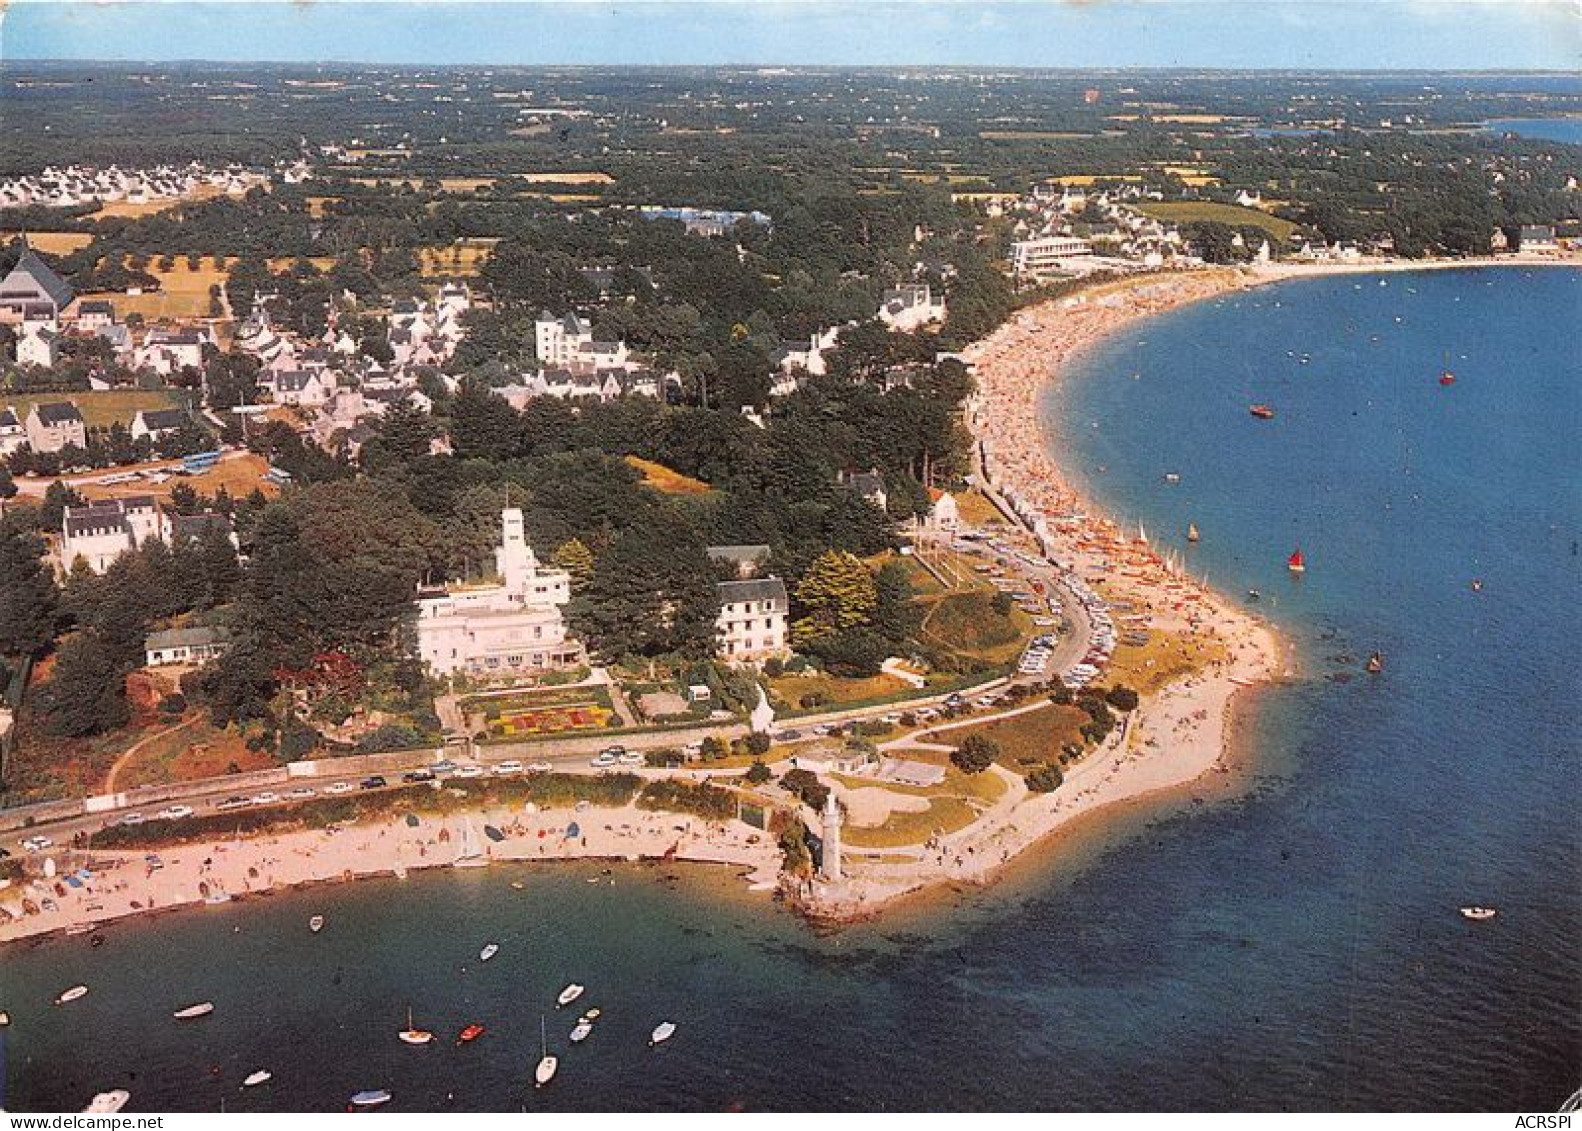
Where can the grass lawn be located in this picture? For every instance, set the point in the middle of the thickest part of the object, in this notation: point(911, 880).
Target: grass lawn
point(666, 481)
point(967, 624)
point(100, 410)
point(976, 510)
point(790, 689)
point(183, 293)
point(237, 476)
point(53, 243)
point(953, 804)
point(1025, 740)
point(1183, 211)
point(1164, 659)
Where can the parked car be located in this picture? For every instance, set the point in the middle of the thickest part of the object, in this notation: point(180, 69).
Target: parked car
point(469, 771)
point(374, 782)
point(265, 798)
point(443, 766)
point(511, 767)
point(614, 751)
point(418, 775)
point(231, 803)
point(339, 787)
point(132, 819)
point(301, 793)
point(37, 843)
point(631, 758)
point(174, 813)
point(539, 768)
point(602, 760)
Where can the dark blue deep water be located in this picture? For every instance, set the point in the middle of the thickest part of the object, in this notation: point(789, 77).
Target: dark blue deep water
point(1290, 943)
point(1568, 130)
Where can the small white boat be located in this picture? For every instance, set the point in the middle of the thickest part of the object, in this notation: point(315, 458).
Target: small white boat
point(316, 924)
point(545, 1072)
point(591, 1015)
point(5, 1019)
point(662, 1033)
point(371, 1098)
point(1478, 914)
point(202, 1009)
point(488, 952)
point(72, 994)
point(568, 995)
point(581, 1031)
point(106, 1103)
point(412, 1035)
point(262, 1076)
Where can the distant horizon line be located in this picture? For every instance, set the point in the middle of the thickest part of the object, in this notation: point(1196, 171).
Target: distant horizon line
point(874, 67)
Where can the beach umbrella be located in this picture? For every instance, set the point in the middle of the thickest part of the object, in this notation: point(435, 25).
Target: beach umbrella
point(493, 833)
point(411, 820)
point(572, 831)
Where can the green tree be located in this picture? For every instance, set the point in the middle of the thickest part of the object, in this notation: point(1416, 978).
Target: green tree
point(758, 773)
point(1045, 779)
point(896, 615)
point(86, 693)
point(975, 754)
point(575, 558)
point(27, 592)
point(837, 592)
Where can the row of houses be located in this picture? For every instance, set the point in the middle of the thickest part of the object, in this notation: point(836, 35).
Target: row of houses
point(99, 532)
point(76, 185)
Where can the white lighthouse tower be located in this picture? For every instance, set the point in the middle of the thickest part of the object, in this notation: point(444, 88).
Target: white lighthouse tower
point(829, 858)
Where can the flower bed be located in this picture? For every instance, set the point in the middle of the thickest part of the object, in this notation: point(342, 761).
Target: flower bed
point(550, 720)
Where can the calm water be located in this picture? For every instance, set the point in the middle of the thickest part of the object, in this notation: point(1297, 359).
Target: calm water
point(1295, 947)
point(1568, 130)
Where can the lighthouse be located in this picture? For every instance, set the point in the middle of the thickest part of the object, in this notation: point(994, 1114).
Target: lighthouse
point(829, 858)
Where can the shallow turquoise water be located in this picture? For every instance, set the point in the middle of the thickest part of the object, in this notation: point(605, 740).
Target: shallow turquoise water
point(1296, 947)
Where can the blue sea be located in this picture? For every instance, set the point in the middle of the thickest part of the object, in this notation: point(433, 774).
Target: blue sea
point(1286, 941)
point(1568, 130)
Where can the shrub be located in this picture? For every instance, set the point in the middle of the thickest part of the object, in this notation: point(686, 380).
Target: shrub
point(1060, 694)
point(173, 704)
point(391, 736)
point(1045, 779)
point(758, 773)
point(664, 756)
point(774, 666)
point(975, 754)
point(703, 800)
point(805, 785)
point(1122, 698)
point(712, 748)
point(757, 744)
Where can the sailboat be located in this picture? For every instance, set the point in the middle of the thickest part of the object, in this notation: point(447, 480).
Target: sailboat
point(568, 995)
point(1295, 563)
point(545, 1072)
point(469, 857)
point(1375, 663)
point(1446, 377)
point(662, 1033)
point(412, 1035)
point(316, 924)
point(1192, 532)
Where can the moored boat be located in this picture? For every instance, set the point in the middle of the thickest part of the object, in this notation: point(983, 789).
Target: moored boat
point(1478, 914)
point(662, 1033)
point(191, 1012)
point(469, 1034)
point(412, 1035)
point(71, 995)
point(545, 1070)
point(107, 1103)
point(580, 1032)
point(1296, 563)
point(262, 1076)
point(1261, 411)
point(488, 952)
point(371, 1098)
point(316, 924)
point(1375, 663)
point(568, 995)
point(1192, 532)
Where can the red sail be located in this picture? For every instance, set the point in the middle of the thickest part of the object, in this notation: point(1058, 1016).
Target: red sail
point(1295, 561)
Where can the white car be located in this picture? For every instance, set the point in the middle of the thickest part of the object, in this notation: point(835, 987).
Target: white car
point(539, 768)
point(302, 793)
point(631, 758)
point(132, 819)
point(174, 813)
point(512, 767)
point(339, 787)
point(37, 843)
point(469, 771)
point(602, 761)
point(265, 798)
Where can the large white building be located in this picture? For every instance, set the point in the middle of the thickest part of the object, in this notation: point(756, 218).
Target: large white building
point(751, 626)
point(512, 627)
point(1047, 253)
point(100, 532)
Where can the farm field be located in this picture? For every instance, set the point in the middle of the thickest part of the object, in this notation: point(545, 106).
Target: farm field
point(53, 243)
point(1185, 211)
point(460, 258)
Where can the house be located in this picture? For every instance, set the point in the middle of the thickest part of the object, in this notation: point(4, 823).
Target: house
point(911, 307)
point(54, 425)
point(869, 486)
point(751, 626)
point(512, 627)
point(33, 287)
point(745, 560)
point(1537, 237)
point(304, 388)
point(1498, 240)
point(943, 513)
point(12, 434)
point(157, 423)
point(95, 313)
point(100, 532)
point(40, 345)
point(558, 340)
point(170, 351)
point(195, 646)
point(185, 528)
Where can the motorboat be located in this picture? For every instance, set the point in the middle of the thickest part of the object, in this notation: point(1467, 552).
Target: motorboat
point(568, 995)
point(316, 924)
point(1478, 914)
point(591, 1015)
point(412, 1035)
point(662, 1033)
point(71, 995)
point(107, 1103)
point(192, 1012)
point(1261, 411)
point(581, 1031)
point(469, 1034)
point(372, 1098)
point(262, 1076)
point(488, 952)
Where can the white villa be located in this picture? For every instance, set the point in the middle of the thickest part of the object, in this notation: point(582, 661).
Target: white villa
point(512, 627)
point(100, 532)
point(911, 306)
point(751, 626)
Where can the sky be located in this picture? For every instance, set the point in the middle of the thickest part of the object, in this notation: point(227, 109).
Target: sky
point(1315, 34)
